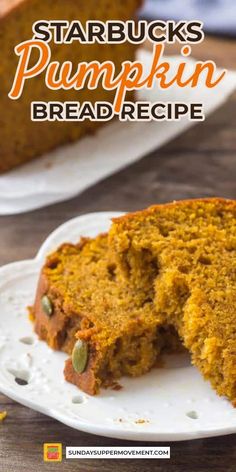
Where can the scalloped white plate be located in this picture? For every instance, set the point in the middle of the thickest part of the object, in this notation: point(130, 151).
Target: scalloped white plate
point(169, 403)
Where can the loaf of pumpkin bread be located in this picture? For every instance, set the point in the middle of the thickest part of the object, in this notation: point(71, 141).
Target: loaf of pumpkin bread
point(20, 138)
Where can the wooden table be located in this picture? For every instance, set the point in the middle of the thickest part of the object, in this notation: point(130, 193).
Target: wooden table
point(201, 162)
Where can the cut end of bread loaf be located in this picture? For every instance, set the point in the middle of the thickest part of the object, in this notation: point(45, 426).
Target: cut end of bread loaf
point(193, 244)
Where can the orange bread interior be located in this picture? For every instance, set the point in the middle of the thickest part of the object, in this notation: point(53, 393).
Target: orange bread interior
point(188, 249)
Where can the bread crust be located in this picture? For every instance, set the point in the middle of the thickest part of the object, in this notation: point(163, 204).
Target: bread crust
point(231, 204)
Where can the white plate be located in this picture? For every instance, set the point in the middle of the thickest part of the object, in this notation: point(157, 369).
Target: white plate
point(154, 407)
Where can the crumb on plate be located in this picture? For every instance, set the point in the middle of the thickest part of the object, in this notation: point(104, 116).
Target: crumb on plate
point(3, 415)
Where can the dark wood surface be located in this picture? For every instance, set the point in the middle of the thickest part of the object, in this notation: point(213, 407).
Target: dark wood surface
point(201, 162)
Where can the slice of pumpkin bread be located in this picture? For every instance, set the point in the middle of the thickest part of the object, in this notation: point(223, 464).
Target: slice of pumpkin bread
point(83, 296)
point(192, 245)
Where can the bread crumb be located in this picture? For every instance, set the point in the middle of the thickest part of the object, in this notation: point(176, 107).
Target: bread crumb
point(116, 386)
point(31, 314)
point(142, 421)
point(3, 415)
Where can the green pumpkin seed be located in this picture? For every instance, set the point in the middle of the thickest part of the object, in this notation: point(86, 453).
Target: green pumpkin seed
point(80, 356)
point(192, 414)
point(47, 305)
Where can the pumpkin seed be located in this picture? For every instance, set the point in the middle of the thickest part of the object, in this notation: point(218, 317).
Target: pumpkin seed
point(192, 414)
point(80, 356)
point(47, 305)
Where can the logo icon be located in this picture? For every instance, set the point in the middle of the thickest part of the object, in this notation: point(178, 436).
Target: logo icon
point(52, 452)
